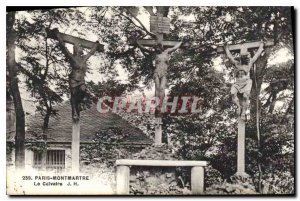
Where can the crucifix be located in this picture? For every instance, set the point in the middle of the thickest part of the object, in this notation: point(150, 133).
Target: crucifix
point(78, 63)
point(240, 90)
point(159, 25)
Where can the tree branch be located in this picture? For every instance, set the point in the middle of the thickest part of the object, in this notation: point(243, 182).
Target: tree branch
point(142, 25)
point(149, 9)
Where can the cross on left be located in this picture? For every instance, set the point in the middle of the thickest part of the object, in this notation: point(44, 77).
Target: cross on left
point(77, 86)
point(78, 64)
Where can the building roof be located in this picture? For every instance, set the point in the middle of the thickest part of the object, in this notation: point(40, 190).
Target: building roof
point(60, 127)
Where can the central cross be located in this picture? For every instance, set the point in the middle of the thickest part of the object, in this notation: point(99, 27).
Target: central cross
point(159, 25)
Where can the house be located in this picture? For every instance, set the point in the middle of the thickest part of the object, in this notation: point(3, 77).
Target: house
point(59, 136)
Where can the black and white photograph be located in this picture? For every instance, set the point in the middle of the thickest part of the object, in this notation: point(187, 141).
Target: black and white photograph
point(150, 100)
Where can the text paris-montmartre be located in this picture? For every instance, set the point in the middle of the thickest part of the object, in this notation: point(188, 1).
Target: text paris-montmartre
point(61, 178)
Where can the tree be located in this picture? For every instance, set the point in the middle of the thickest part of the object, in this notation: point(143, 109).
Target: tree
point(42, 64)
point(13, 71)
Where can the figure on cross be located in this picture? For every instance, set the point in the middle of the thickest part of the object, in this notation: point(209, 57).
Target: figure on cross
point(78, 63)
point(161, 66)
point(159, 26)
point(240, 90)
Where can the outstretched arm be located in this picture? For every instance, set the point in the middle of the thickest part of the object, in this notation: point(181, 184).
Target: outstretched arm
point(229, 55)
point(257, 54)
point(141, 46)
point(170, 50)
point(63, 46)
point(92, 51)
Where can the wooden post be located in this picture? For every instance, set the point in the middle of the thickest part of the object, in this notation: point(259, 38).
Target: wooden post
point(197, 180)
point(241, 147)
point(159, 25)
point(123, 173)
point(75, 145)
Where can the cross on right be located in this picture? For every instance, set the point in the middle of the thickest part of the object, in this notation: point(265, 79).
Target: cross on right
point(240, 90)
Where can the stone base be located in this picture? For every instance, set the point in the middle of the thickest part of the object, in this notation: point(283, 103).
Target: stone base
point(242, 178)
point(241, 174)
point(159, 144)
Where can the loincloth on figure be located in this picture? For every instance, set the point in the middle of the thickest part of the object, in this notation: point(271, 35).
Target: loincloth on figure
point(77, 78)
point(77, 84)
point(160, 71)
point(242, 87)
point(161, 65)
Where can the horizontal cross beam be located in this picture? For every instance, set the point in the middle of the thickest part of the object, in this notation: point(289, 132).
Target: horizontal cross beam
point(248, 45)
point(51, 33)
point(165, 43)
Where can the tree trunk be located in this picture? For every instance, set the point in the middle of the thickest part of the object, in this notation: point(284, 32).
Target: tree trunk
point(14, 88)
point(255, 104)
point(261, 65)
point(46, 120)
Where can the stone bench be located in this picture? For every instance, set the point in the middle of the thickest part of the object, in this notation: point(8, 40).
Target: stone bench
point(123, 172)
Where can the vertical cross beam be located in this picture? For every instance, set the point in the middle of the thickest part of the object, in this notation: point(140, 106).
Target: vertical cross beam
point(241, 147)
point(75, 146)
point(159, 25)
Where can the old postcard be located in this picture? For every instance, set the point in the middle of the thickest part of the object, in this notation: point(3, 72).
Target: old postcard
point(150, 100)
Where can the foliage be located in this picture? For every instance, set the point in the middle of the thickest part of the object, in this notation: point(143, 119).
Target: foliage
point(38, 146)
point(105, 149)
point(156, 182)
point(236, 185)
point(212, 176)
point(278, 182)
point(145, 122)
point(111, 87)
point(9, 147)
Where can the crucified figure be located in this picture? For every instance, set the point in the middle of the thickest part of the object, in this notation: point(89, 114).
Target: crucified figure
point(76, 78)
point(161, 67)
point(240, 90)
